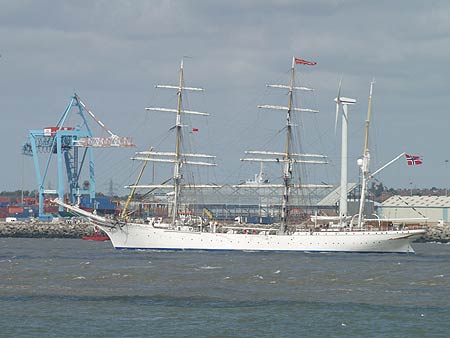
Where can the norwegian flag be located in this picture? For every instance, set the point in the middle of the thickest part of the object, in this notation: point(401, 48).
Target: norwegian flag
point(304, 62)
point(413, 159)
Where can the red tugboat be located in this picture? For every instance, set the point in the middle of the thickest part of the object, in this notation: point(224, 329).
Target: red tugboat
point(97, 236)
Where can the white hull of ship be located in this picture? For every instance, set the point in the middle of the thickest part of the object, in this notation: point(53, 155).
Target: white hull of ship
point(147, 237)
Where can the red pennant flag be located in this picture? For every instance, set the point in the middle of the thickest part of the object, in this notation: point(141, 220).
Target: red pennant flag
point(304, 62)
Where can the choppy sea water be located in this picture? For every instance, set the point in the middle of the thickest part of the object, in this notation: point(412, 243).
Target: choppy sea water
point(75, 288)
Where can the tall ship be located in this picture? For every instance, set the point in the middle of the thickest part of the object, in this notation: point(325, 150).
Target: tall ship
point(183, 232)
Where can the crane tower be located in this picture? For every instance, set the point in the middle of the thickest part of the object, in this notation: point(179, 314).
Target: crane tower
point(73, 148)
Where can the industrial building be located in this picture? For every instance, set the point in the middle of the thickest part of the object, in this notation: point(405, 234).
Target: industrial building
point(435, 208)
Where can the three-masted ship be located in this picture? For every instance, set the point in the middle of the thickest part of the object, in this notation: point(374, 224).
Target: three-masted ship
point(194, 234)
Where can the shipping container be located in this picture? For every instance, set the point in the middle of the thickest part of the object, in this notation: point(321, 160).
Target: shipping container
point(99, 203)
point(50, 209)
point(12, 209)
point(27, 200)
point(4, 212)
point(253, 220)
point(267, 220)
point(5, 199)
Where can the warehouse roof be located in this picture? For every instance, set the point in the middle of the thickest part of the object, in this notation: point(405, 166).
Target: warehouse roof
point(333, 197)
point(417, 201)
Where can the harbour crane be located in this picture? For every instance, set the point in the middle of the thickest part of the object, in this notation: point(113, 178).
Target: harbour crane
point(72, 146)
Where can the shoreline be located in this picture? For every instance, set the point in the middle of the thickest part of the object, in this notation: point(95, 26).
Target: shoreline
point(45, 230)
point(435, 233)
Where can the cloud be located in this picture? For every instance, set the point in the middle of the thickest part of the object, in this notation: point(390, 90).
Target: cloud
point(114, 52)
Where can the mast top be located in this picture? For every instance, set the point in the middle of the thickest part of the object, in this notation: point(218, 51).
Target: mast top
point(369, 111)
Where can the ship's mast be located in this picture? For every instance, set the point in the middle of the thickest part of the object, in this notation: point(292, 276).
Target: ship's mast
point(289, 158)
point(178, 158)
point(177, 166)
point(365, 161)
point(287, 171)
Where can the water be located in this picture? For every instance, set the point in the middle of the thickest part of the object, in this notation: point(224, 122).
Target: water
point(75, 288)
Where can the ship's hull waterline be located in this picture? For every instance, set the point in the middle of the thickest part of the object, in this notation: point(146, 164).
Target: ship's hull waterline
point(147, 237)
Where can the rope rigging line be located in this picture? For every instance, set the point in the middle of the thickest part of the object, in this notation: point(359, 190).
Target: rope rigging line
point(399, 197)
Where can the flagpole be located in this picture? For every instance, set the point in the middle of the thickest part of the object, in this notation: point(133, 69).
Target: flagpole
point(387, 164)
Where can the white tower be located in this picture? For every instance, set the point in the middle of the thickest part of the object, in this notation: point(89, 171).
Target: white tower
point(344, 102)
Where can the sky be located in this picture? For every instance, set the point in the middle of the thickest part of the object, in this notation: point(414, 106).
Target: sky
point(113, 53)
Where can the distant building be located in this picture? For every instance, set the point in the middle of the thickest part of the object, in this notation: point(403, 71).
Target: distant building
point(435, 208)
